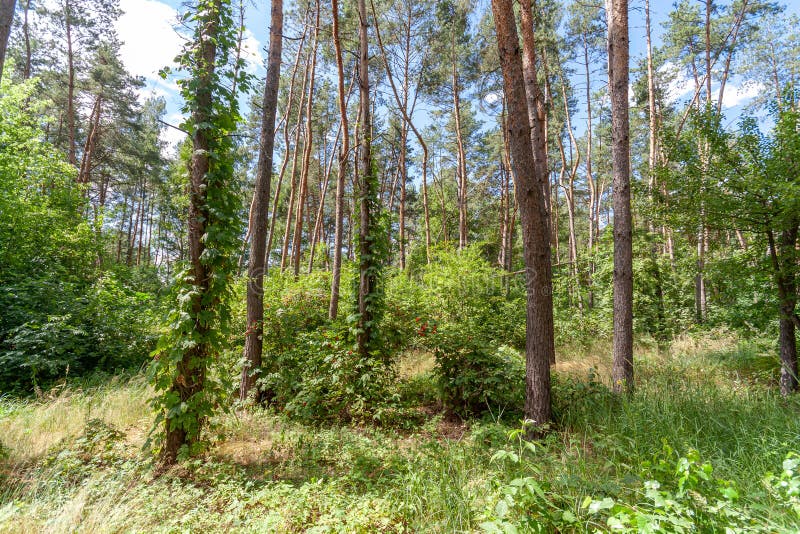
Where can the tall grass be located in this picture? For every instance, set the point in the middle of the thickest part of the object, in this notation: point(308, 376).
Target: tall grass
point(65, 472)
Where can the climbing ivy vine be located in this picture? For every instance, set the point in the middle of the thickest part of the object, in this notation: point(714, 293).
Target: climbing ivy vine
point(187, 390)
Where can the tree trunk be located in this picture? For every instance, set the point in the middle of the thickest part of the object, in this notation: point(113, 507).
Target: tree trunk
point(402, 104)
point(537, 119)
point(784, 266)
point(6, 19)
point(539, 346)
point(258, 244)
point(26, 32)
point(344, 154)
point(537, 114)
point(319, 222)
point(368, 262)
point(70, 87)
point(191, 369)
point(293, 174)
point(285, 162)
point(589, 176)
point(84, 175)
point(307, 148)
point(618, 51)
point(462, 156)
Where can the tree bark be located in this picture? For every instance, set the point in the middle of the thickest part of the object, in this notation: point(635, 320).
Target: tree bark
point(26, 32)
point(285, 162)
point(461, 169)
point(6, 19)
point(537, 114)
point(618, 51)
point(307, 148)
point(402, 105)
point(367, 261)
point(253, 342)
point(71, 151)
point(784, 266)
point(344, 155)
point(293, 174)
point(191, 372)
point(84, 175)
point(539, 346)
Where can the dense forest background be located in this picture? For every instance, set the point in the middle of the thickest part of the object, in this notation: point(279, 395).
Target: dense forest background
point(345, 242)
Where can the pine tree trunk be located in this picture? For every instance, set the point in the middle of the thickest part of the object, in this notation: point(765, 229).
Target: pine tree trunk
point(589, 177)
point(253, 342)
point(537, 120)
point(539, 347)
point(191, 371)
point(402, 104)
point(71, 151)
point(286, 152)
point(26, 33)
point(307, 148)
point(344, 155)
point(84, 175)
point(618, 51)
point(6, 19)
point(367, 260)
point(461, 170)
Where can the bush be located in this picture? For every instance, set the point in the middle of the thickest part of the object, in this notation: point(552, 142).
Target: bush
point(55, 330)
point(474, 376)
point(310, 368)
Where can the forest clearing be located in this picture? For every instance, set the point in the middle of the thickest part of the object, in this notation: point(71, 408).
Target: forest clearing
point(399, 266)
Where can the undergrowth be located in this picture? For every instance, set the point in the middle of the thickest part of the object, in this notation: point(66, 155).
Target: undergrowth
point(704, 444)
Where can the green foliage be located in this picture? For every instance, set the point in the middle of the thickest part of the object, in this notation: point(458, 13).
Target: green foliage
point(62, 315)
point(472, 316)
point(785, 487)
point(99, 445)
point(198, 324)
point(673, 493)
point(311, 370)
point(474, 377)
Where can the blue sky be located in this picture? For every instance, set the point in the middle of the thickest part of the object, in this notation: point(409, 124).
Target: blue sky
point(151, 42)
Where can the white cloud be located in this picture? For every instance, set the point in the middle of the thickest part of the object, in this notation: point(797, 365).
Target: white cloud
point(251, 52)
point(150, 41)
point(171, 135)
point(739, 95)
point(680, 84)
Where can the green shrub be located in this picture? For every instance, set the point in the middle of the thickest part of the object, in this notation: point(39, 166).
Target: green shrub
point(310, 368)
point(77, 330)
point(670, 493)
point(474, 376)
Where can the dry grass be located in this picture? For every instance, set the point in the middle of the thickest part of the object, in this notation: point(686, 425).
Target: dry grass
point(31, 428)
point(415, 363)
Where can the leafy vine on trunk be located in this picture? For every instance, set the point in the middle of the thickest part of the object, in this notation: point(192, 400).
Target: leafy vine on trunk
point(187, 390)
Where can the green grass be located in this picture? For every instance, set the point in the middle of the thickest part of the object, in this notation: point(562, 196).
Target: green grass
point(75, 461)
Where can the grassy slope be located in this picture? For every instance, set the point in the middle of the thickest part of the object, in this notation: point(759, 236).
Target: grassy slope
point(75, 460)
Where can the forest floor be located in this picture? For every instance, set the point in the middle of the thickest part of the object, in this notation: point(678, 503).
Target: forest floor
point(74, 461)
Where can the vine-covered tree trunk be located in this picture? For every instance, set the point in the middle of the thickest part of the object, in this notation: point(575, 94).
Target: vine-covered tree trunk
point(368, 256)
point(618, 51)
point(191, 374)
point(539, 346)
point(258, 245)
